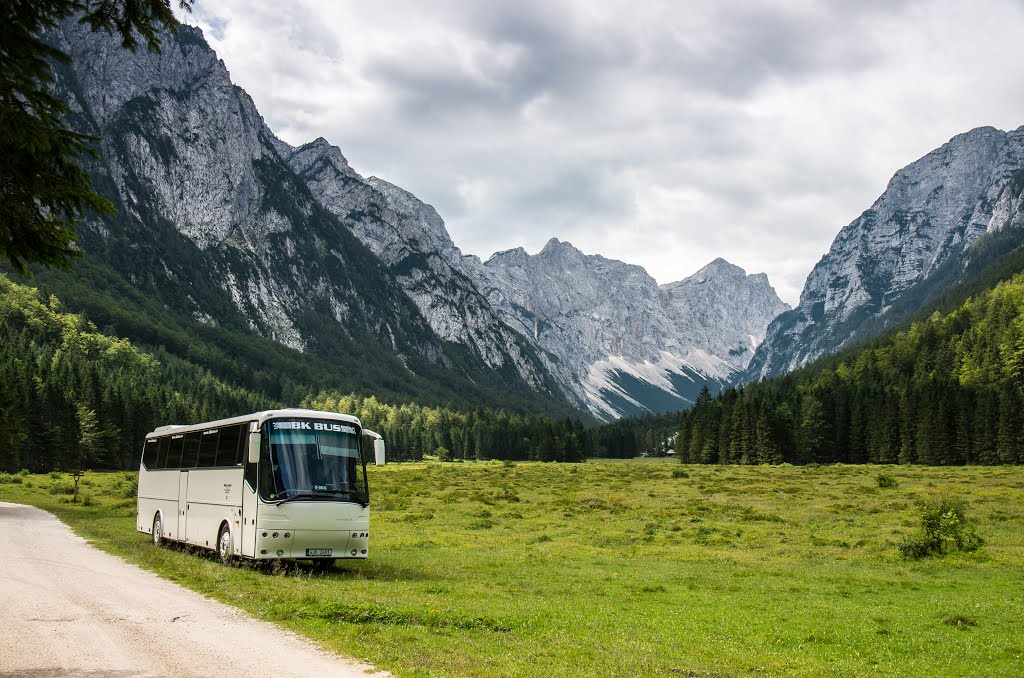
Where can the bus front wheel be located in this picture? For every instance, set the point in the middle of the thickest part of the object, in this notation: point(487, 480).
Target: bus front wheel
point(224, 552)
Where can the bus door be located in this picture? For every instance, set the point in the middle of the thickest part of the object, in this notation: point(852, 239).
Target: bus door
point(249, 501)
point(182, 505)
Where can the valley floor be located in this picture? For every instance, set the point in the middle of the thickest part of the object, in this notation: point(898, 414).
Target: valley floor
point(642, 567)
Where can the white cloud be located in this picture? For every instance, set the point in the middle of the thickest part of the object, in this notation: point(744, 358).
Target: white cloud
point(662, 134)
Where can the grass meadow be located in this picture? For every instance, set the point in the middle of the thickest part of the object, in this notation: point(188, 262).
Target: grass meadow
point(626, 568)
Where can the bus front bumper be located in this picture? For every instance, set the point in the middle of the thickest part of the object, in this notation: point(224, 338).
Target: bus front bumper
point(312, 544)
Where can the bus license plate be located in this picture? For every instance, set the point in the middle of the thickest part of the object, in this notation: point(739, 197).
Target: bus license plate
point(318, 552)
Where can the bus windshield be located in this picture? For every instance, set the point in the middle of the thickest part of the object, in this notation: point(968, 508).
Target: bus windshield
point(310, 460)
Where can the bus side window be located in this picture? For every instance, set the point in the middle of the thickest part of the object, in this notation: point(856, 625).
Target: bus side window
point(227, 446)
point(191, 452)
point(243, 444)
point(150, 453)
point(208, 449)
point(163, 447)
point(174, 453)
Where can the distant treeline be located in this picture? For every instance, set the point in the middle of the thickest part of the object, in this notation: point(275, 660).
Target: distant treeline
point(412, 431)
point(949, 390)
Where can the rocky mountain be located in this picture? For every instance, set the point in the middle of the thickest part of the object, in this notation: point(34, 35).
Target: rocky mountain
point(216, 221)
point(619, 341)
point(221, 221)
point(410, 237)
point(937, 223)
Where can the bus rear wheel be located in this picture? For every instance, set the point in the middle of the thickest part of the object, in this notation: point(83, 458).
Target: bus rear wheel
point(224, 552)
point(158, 531)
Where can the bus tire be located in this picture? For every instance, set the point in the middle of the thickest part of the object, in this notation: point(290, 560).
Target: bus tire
point(225, 554)
point(158, 530)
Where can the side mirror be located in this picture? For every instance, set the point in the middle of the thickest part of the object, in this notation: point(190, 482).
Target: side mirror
point(254, 448)
point(378, 452)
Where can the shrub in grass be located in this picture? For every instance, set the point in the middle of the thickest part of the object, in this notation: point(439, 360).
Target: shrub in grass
point(945, 527)
point(24, 472)
point(960, 620)
point(886, 480)
point(130, 488)
point(8, 479)
point(680, 473)
point(55, 475)
point(62, 489)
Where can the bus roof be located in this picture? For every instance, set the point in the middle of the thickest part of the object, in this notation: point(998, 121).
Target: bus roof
point(259, 417)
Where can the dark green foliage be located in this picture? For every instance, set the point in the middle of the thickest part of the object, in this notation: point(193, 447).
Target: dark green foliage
point(945, 526)
point(44, 190)
point(886, 480)
point(947, 390)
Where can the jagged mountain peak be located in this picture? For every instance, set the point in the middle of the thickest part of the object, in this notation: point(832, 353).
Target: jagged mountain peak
point(555, 246)
point(305, 156)
point(515, 256)
point(719, 269)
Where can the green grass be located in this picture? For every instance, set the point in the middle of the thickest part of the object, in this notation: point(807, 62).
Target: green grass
point(619, 568)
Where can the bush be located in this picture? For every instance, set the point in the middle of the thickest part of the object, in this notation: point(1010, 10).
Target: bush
point(887, 480)
point(8, 479)
point(945, 527)
point(130, 488)
point(55, 475)
point(680, 473)
point(24, 472)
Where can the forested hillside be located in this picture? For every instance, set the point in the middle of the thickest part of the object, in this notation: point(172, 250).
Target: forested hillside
point(948, 390)
point(72, 395)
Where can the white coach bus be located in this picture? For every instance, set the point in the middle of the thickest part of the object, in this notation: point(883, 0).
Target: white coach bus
point(270, 485)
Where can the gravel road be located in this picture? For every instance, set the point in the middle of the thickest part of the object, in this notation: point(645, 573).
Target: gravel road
point(68, 609)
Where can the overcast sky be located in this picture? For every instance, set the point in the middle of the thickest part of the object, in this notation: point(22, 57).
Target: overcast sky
point(663, 134)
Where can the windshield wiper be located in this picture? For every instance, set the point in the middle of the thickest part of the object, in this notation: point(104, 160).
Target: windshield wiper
point(358, 496)
point(298, 495)
point(323, 494)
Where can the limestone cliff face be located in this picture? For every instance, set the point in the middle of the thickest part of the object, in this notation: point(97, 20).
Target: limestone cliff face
point(902, 249)
point(410, 237)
